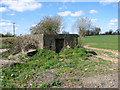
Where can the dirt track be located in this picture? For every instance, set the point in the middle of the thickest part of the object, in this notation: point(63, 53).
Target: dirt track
point(106, 50)
point(105, 56)
point(105, 80)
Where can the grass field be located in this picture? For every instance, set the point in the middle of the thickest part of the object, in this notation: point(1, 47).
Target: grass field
point(102, 41)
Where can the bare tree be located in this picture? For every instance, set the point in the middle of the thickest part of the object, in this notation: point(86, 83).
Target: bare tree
point(110, 32)
point(97, 30)
point(118, 31)
point(49, 25)
point(82, 25)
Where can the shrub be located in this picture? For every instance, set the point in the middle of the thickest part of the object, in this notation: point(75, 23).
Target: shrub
point(5, 54)
point(7, 42)
point(16, 46)
point(74, 53)
point(44, 54)
point(23, 44)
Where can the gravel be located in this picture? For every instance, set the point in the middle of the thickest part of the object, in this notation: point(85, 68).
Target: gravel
point(101, 81)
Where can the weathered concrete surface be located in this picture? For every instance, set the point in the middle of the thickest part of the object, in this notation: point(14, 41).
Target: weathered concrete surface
point(69, 39)
point(48, 41)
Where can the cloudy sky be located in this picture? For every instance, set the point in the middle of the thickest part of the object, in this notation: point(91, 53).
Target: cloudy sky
point(27, 13)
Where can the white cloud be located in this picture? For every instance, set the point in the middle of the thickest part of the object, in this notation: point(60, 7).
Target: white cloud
point(93, 20)
point(93, 11)
point(60, 8)
point(5, 20)
point(107, 2)
point(5, 24)
point(21, 5)
point(66, 13)
point(65, 0)
point(50, 15)
point(5, 29)
point(3, 9)
point(78, 13)
point(114, 27)
point(34, 25)
point(111, 23)
point(11, 14)
point(114, 20)
point(109, 26)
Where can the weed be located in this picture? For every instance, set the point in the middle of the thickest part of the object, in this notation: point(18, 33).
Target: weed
point(53, 83)
point(3, 47)
point(5, 54)
point(71, 74)
point(74, 80)
point(44, 60)
point(45, 85)
point(7, 42)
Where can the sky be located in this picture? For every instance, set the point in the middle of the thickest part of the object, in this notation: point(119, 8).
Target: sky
point(27, 13)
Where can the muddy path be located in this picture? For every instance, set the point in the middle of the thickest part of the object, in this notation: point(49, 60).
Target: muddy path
point(105, 54)
point(106, 50)
point(103, 80)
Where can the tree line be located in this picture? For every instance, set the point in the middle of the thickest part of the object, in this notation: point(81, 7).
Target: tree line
point(111, 32)
point(54, 24)
point(8, 34)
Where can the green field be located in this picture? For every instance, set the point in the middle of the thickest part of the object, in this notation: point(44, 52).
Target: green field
point(102, 41)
